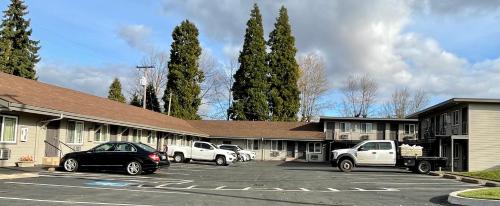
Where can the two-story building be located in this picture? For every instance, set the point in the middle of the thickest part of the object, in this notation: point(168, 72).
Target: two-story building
point(466, 130)
point(344, 132)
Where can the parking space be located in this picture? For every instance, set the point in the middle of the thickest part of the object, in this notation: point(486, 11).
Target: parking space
point(255, 183)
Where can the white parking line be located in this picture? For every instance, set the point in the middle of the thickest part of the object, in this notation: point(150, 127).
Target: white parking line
point(68, 202)
point(410, 183)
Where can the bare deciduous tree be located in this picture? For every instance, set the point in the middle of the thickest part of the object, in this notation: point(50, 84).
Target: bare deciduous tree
point(156, 75)
point(312, 85)
point(359, 96)
point(216, 89)
point(402, 103)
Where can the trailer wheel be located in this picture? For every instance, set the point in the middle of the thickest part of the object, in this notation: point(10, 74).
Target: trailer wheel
point(424, 167)
point(346, 165)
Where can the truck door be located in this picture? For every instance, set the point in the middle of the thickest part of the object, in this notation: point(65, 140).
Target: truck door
point(386, 153)
point(367, 153)
point(202, 151)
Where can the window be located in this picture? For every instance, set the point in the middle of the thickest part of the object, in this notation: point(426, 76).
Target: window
point(314, 147)
point(384, 146)
point(104, 147)
point(410, 129)
point(366, 127)
point(197, 145)
point(151, 137)
point(369, 146)
point(205, 146)
point(255, 144)
point(455, 117)
point(102, 133)
point(124, 147)
point(137, 135)
point(226, 142)
point(8, 129)
point(345, 127)
point(75, 132)
point(277, 145)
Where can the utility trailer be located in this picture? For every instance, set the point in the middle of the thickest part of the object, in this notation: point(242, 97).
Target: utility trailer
point(383, 153)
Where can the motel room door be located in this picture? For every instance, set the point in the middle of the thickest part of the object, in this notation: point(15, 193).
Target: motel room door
point(290, 149)
point(52, 139)
point(302, 146)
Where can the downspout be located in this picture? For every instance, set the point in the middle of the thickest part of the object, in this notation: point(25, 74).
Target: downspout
point(45, 123)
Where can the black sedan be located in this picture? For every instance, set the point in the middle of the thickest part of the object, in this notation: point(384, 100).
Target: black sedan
point(133, 158)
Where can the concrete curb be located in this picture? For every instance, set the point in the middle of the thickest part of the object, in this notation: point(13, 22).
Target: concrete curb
point(18, 175)
point(487, 183)
point(453, 198)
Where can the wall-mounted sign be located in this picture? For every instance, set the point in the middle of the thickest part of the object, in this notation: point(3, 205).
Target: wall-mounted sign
point(24, 134)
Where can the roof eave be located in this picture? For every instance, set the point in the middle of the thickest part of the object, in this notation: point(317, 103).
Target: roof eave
point(70, 115)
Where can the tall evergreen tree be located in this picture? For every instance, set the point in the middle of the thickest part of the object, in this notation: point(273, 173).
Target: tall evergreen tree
point(136, 101)
point(18, 53)
point(250, 81)
point(284, 95)
point(115, 91)
point(184, 75)
point(151, 99)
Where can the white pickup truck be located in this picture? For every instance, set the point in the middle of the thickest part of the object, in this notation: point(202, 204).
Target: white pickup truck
point(382, 153)
point(201, 151)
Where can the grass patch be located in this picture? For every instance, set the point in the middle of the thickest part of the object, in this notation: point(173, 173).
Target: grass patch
point(486, 193)
point(486, 174)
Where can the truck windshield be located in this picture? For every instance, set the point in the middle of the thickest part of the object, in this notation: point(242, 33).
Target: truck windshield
point(359, 144)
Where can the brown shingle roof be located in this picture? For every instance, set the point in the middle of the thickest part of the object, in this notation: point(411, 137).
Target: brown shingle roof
point(23, 93)
point(260, 129)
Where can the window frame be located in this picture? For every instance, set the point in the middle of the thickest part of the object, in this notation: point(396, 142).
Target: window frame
point(75, 142)
point(16, 124)
point(365, 130)
point(151, 137)
point(346, 128)
point(255, 146)
point(102, 137)
point(276, 143)
point(316, 148)
point(410, 131)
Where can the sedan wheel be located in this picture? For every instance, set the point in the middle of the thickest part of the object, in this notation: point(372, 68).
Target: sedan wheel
point(70, 165)
point(134, 168)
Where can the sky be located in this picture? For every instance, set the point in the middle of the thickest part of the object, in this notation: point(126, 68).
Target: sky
point(449, 48)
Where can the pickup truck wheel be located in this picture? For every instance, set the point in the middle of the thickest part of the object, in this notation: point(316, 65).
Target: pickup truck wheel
point(179, 157)
point(424, 167)
point(220, 160)
point(346, 165)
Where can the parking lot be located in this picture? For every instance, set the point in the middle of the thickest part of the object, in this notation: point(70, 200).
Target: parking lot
point(249, 183)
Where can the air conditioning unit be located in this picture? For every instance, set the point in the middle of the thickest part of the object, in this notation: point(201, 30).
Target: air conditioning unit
point(344, 136)
point(409, 138)
point(365, 137)
point(4, 154)
point(275, 154)
point(313, 157)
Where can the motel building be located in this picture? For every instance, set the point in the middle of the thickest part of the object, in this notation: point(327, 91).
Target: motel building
point(44, 122)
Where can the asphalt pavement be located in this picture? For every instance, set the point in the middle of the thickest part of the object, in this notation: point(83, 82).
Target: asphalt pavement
point(244, 183)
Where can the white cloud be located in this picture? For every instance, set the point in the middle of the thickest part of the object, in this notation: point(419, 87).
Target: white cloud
point(360, 37)
point(90, 80)
point(136, 36)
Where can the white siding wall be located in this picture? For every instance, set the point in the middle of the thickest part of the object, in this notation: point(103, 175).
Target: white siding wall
point(484, 136)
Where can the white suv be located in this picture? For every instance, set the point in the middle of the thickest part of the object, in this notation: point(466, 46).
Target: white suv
point(246, 155)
